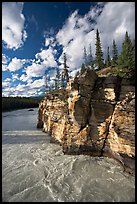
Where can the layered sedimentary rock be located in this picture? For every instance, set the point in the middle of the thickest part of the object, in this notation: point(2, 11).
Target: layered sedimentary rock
point(94, 115)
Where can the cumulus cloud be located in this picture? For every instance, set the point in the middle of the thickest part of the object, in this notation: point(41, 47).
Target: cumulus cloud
point(50, 41)
point(35, 70)
point(30, 89)
point(6, 84)
point(13, 32)
point(45, 60)
point(15, 77)
point(48, 57)
point(24, 78)
point(117, 18)
point(14, 65)
point(39, 83)
point(112, 19)
point(5, 59)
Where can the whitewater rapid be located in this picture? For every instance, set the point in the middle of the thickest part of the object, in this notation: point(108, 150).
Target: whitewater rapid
point(35, 170)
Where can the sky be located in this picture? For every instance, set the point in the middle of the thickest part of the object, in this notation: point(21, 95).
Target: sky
point(36, 34)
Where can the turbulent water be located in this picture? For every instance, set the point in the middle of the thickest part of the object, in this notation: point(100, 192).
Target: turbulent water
point(34, 170)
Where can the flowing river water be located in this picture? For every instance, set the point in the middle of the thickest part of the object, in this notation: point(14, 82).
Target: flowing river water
point(35, 170)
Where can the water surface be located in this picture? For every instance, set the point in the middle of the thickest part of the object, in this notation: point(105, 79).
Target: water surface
point(34, 170)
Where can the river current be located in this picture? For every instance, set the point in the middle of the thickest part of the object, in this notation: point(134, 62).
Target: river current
point(35, 170)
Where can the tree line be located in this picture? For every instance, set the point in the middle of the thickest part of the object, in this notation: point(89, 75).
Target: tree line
point(122, 64)
point(13, 103)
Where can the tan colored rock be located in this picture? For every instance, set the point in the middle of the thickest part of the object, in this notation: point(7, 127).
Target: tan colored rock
point(95, 115)
point(121, 137)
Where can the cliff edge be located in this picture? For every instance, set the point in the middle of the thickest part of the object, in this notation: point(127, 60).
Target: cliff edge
point(95, 115)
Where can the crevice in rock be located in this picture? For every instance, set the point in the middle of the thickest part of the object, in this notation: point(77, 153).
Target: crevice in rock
point(117, 90)
point(107, 132)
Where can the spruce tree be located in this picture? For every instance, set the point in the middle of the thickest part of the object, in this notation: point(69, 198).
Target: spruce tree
point(114, 54)
point(108, 60)
point(56, 84)
point(66, 75)
point(82, 68)
point(57, 80)
point(46, 82)
point(85, 56)
point(90, 55)
point(126, 60)
point(62, 80)
point(99, 53)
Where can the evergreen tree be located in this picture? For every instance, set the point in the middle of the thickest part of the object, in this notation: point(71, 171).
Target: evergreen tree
point(114, 54)
point(82, 69)
point(49, 88)
point(57, 81)
point(85, 56)
point(90, 55)
point(62, 80)
point(126, 59)
point(46, 82)
point(77, 73)
point(66, 75)
point(56, 84)
point(108, 60)
point(99, 53)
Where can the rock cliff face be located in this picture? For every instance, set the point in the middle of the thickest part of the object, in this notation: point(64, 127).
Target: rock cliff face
point(94, 115)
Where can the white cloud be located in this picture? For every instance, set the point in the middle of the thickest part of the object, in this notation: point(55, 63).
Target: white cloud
point(30, 89)
point(117, 18)
point(15, 77)
point(13, 33)
point(4, 67)
point(35, 70)
point(7, 79)
point(112, 20)
point(14, 65)
point(5, 59)
point(24, 78)
point(6, 84)
point(50, 41)
point(39, 83)
point(48, 57)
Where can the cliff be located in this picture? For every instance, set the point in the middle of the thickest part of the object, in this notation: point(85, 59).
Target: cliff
point(94, 115)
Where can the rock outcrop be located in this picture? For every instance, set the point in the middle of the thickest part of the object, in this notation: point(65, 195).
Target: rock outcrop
point(94, 115)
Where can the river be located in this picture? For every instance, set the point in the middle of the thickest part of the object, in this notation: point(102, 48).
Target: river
point(35, 170)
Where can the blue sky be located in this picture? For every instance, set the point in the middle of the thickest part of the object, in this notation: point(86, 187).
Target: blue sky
point(35, 35)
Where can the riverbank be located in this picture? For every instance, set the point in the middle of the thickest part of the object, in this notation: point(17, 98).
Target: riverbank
point(35, 170)
point(16, 103)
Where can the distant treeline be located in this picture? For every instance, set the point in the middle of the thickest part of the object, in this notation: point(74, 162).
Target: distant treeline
point(13, 103)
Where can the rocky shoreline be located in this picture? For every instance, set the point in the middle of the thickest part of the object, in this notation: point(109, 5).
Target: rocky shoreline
point(95, 115)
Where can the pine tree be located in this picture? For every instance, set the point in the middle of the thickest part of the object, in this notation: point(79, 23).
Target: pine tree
point(114, 54)
point(62, 80)
point(77, 73)
point(90, 55)
point(56, 84)
point(82, 69)
point(108, 60)
point(49, 88)
point(85, 56)
point(99, 53)
point(57, 79)
point(66, 75)
point(46, 83)
point(126, 59)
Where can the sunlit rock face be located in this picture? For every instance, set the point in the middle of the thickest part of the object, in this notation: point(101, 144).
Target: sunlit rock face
point(94, 115)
